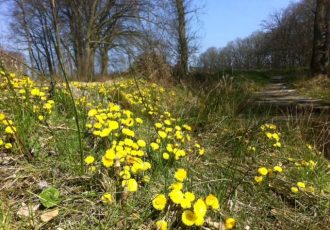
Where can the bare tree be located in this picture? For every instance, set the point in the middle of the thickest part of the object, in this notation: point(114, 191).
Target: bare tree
point(321, 44)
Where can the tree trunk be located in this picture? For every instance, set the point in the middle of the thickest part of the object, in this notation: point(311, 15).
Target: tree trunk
point(321, 46)
point(104, 60)
point(182, 40)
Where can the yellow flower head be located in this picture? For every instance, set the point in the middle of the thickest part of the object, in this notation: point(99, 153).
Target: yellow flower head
point(212, 201)
point(263, 171)
point(166, 156)
point(10, 129)
point(278, 169)
point(230, 223)
point(294, 189)
point(301, 184)
point(162, 134)
point(89, 160)
point(131, 185)
point(200, 208)
point(176, 196)
point(189, 196)
point(180, 174)
point(106, 198)
point(185, 203)
point(176, 186)
point(107, 162)
point(258, 179)
point(141, 143)
point(159, 202)
point(188, 218)
point(8, 145)
point(154, 146)
point(161, 225)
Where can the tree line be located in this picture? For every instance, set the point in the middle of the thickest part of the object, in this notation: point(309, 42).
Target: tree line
point(292, 38)
point(84, 38)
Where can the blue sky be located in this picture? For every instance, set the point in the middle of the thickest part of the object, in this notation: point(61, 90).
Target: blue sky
point(226, 20)
point(222, 20)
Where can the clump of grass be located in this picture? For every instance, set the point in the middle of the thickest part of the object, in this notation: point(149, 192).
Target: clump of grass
point(318, 87)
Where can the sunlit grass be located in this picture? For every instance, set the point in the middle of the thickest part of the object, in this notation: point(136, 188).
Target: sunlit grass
point(140, 142)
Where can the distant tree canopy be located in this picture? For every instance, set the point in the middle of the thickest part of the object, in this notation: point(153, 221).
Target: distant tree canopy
point(286, 42)
point(89, 32)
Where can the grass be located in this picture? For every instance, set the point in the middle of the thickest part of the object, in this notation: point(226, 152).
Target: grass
point(223, 123)
point(318, 87)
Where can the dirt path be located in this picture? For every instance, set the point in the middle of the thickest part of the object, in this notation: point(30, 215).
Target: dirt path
point(280, 97)
point(282, 102)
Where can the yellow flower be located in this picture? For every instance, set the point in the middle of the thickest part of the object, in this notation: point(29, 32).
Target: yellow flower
point(162, 134)
point(128, 132)
point(10, 129)
point(311, 164)
point(167, 122)
point(258, 179)
point(2, 116)
point(201, 151)
point(89, 160)
point(187, 127)
point(105, 132)
point(107, 162)
point(110, 154)
point(180, 174)
point(141, 143)
point(35, 92)
point(199, 221)
point(161, 225)
point(200, 208)
point(131, 184)
point(230, 223)
point(269, 135)
point(189, 196)
point(41, 118)
point(301, 184)
point(169, 148)
point(106, 198)
point(176, 196)
point(185, 203)
point(188, 218)
point(263, 171)
point(1, 142)
point(159, 202)
point(294, 189)
point(92, 168)
point(278, 168)
point(113, 125)
point(158, 125)
point(154, 146)
point(166, 156)
point(276, 136)
point(176, 186)
point(138, 120)
point(8, 145)
point(212, 201)
point(128, 142)
point(277, 144)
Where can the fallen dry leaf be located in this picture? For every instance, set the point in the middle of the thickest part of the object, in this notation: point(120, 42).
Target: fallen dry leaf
point(47, 216)
point(27, 211)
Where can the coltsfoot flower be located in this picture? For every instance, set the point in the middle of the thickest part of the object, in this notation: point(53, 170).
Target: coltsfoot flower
point(159, 202)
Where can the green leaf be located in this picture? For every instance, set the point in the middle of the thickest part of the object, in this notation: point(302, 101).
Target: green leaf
point(50, 197)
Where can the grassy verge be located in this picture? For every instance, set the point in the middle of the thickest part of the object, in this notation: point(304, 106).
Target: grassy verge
point(140, 141)
point(318, 88)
